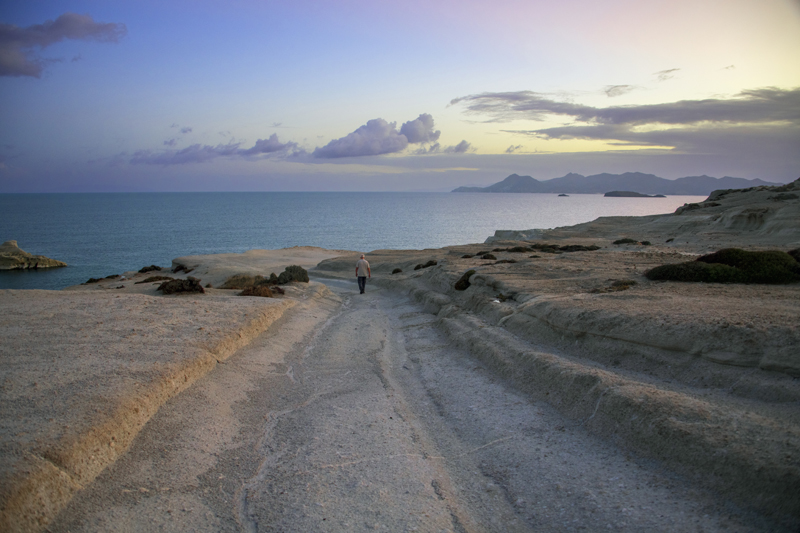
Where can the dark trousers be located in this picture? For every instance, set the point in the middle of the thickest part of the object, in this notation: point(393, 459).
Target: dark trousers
point(362, 283)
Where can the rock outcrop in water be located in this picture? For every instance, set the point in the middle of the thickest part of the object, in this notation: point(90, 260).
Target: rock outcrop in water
point(13, 258)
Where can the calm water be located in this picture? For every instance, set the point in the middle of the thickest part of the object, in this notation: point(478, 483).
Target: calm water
point(102, 234)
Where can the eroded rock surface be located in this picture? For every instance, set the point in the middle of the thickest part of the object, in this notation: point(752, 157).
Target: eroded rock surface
point(14, 258)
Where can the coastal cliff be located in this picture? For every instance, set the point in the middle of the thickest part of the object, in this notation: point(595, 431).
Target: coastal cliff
point(14, 258)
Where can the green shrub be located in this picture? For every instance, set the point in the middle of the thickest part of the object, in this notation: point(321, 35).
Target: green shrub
point(795, 254)
point(242, 281)
point(770, 266)
point(257, 290)
point(293, 273)
point(733, 265)
point(426, 265)
point(463, 283)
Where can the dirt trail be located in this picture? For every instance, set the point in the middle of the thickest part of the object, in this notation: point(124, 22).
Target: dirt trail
point(357, 414)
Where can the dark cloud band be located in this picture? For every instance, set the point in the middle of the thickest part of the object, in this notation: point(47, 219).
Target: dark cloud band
point(18, 56)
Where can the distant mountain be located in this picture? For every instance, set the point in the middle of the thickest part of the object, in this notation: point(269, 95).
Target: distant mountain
point(629, 181)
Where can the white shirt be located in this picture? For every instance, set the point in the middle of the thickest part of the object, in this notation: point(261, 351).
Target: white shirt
point(362, 268)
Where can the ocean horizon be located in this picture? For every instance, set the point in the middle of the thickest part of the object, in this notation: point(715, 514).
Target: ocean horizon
point(100, 234)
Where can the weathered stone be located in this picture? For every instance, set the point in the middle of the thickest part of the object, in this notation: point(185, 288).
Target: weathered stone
point(13, 258)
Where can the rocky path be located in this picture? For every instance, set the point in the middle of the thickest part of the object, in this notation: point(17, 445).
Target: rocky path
point(356, 414)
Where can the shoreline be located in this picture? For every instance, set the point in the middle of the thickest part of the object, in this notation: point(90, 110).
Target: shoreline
point(702, 377)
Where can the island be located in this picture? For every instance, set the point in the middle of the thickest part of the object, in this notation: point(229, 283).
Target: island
point(573, 183)
point(631, 194)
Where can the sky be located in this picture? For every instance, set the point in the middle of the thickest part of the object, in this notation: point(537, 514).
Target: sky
point(358, 95)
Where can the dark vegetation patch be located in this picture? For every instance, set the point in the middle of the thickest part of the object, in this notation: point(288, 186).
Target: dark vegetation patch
point(293, 273)
point(145, 270)
point(795, 254)
point(733, 265)
point(397, 270)
point(426, 265)
point(616, 286)
point(784, 196)
point(181, 268)
point(626, 241)
point(505, 261)
point(548, 248)
point(502, 297)
point(244, 281)
point(257, 290)
point(489, 257)
point(178, 286)
point(463, 283)
point(466, 256)
point(151, 279)
point(95, 280)
point(483, 253)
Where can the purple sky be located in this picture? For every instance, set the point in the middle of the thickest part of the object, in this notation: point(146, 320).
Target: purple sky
point(412, 96)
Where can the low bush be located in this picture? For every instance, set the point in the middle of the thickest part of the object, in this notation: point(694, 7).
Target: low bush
point(145, 270)
point(151, 279)
point(243, 281)
point(177, 286)
point(519, 250)
point(397, 270)
point(466, 256)
point(489, 256)
point(733, 265)
point(293, 273)
point(426, 265)
point(500, 262)
point(258, 290)
point(463, 283)
point(626, 241)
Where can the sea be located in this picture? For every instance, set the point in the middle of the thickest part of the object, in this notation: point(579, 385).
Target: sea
point(100, 234)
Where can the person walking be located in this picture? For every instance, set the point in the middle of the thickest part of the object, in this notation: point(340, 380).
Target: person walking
point(362, 272)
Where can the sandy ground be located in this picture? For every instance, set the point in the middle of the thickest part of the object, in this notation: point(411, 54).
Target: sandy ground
point(84, 369)
point(537, 399)
point(357, 414)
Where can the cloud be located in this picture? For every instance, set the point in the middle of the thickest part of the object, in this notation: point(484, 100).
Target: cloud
point(171, 142)
point(617, 90)
point(664, 75)
point(18, 46)
point(420, 130)
point(758, 105)
point(460, 148)
point(511, 149)
point(769, 117)
point(198, 153)
point(186, 130)
point(269, 146)
point(376, 137)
